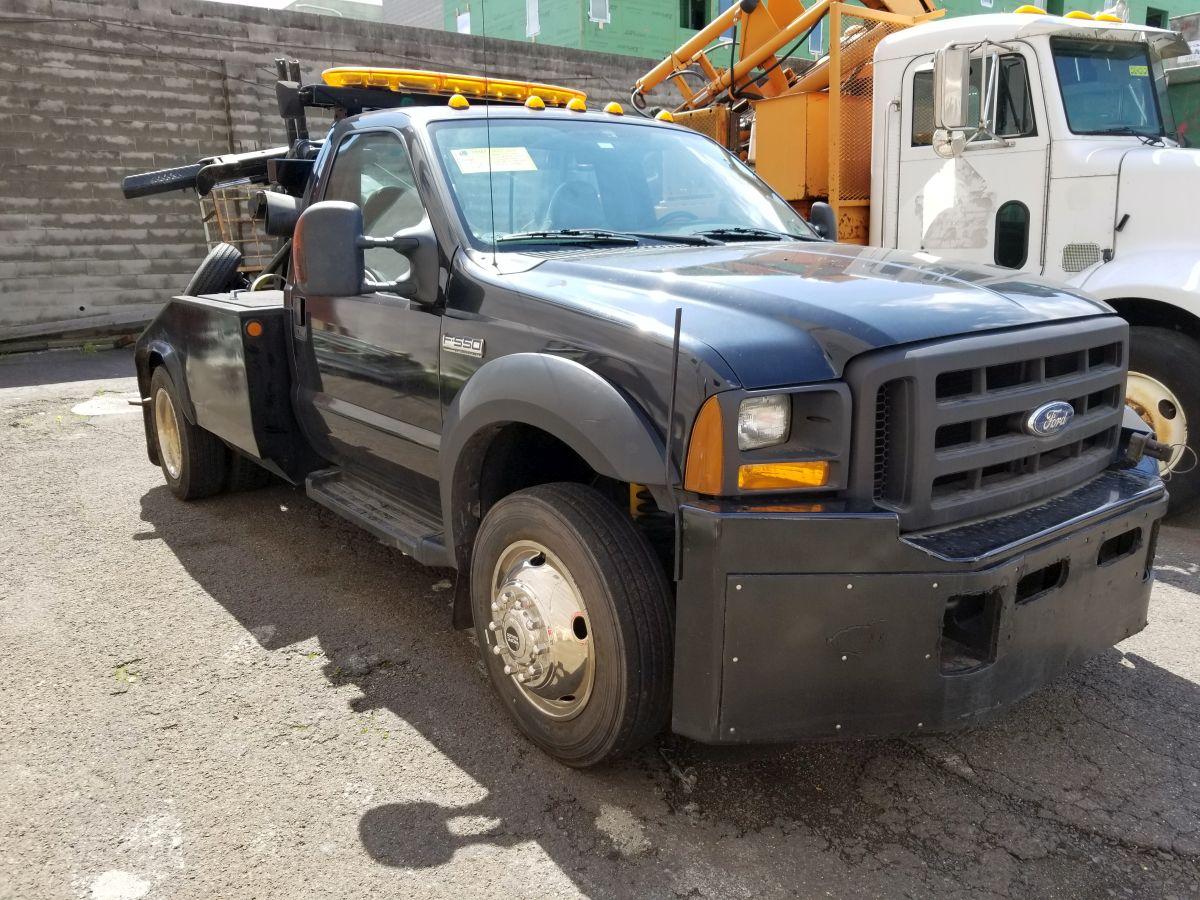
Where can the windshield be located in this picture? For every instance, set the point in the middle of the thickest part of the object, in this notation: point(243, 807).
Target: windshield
point(583, 174)
point(1107, 87)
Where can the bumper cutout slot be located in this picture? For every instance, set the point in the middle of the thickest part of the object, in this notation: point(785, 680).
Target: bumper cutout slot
point(1043, 581)
point(969, 631)
point(1119, 547)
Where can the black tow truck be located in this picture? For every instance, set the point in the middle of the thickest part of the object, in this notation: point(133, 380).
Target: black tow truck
point(694, 462)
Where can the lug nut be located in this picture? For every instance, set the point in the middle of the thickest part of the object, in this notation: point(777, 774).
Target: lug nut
point(521, 678)
point(508, 670)
point(495, 607)
point(496, 650)
point(492, 626)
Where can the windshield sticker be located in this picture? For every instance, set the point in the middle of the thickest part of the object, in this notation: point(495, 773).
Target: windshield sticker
point(1140, 71)
point(473, 160)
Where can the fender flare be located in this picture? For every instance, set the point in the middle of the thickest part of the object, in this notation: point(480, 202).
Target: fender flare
point(1159, 275)
point(566, 398)
point(161, 347)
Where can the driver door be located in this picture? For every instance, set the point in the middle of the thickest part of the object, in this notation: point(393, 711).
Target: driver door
point(986, 205)
point(370, 367)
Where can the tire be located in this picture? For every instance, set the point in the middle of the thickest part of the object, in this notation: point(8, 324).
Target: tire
point(623, 600)
point(245, 474)
point(1172, 360)
point(218, 273)
point(200, 464)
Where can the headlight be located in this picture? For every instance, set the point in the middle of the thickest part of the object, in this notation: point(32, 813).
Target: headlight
point(764, 421)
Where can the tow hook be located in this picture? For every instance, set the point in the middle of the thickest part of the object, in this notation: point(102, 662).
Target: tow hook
point(1142, 444)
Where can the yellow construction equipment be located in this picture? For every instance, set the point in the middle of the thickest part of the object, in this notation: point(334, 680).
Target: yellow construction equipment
point(806, 130)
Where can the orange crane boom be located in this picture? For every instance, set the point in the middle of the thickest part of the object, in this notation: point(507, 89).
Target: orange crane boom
point(807, 131)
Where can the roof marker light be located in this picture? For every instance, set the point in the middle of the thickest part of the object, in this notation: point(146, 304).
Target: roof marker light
point(1107, 17)
point(664, 115)
point(614, 109)
point(458, 101)
point(1029, 10)
point(535, 102)
point(576, 105)
point(1079, 14)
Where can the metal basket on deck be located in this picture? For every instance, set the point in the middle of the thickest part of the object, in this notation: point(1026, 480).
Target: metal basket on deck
point(226, 213)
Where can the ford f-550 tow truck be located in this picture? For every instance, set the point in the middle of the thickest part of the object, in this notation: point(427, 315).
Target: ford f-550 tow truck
point(692, 463)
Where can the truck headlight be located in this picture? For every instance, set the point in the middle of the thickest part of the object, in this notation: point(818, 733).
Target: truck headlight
point(764, 421)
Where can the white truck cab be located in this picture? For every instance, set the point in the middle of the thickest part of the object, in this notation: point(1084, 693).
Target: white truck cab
point(1040, 143)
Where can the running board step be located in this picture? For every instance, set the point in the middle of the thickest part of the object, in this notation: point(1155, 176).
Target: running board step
point(396, 522)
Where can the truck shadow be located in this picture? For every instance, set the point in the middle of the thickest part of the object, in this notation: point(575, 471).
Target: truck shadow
point(1110, 754)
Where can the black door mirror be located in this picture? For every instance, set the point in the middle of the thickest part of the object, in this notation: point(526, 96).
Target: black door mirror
point(327, 254)
point(821, 218)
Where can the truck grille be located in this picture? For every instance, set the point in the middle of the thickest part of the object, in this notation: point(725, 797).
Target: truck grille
point(940, 434)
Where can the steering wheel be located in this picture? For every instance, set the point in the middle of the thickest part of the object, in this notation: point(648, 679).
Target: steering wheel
point(678, 217)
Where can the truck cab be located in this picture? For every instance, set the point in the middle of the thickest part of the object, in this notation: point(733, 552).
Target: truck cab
point(690, 462)
point(1062, 164)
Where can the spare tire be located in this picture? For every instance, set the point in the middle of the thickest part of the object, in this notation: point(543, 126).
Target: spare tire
point(218, 273)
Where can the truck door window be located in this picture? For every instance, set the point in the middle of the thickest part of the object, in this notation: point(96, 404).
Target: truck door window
point(1014, 106)
point(373, 171)
point(1012, 234)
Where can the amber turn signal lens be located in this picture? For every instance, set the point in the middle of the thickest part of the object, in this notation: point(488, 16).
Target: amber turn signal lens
point(706, 452)
point(781, 476)
point(254, 328)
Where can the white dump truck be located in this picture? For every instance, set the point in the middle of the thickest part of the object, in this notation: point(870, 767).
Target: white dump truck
point(1039, 143)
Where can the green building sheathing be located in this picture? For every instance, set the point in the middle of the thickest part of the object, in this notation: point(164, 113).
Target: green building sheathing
point(636, 27)
point(653, 28)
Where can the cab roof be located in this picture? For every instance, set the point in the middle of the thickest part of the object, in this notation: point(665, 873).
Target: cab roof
point(932, 36)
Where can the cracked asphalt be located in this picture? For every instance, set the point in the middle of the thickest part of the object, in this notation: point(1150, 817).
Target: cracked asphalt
point(247, 697)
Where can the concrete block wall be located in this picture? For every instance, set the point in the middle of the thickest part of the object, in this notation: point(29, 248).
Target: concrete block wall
point(92, 90)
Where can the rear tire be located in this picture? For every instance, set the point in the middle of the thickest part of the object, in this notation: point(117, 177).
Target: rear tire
point(218, 273)
point(1164, 389)
point(194, 462)
point(593, 560)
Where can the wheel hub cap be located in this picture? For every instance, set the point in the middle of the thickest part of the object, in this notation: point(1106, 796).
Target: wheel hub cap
point(1157, 406)
point(166, 426)
point(540, 630)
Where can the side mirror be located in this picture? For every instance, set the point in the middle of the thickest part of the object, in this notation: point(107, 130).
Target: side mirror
point(952, 89)
point(327, 254)
point(327, 258)
point(822, 218)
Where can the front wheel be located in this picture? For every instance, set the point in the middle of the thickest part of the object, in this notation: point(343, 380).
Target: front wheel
point(1164, 390)
point(573, 619)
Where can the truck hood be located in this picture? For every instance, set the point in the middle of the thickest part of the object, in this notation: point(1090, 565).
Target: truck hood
point(1157, 189)
point(789, 313)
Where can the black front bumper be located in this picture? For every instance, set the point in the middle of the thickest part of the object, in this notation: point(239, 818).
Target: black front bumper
point(819, 622)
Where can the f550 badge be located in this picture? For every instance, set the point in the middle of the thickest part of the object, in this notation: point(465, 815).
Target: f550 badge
point(464, 346)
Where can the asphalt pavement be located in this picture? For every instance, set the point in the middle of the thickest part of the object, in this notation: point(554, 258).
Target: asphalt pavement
point(247, 697)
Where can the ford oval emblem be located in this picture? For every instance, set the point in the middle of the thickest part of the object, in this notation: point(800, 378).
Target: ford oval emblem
point(1049, 418)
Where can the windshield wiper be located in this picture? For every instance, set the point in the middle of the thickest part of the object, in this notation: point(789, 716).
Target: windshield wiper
point(604, 236)
point(1152, 139)
point(751, 234)
point(692, 240)
point(571, 236)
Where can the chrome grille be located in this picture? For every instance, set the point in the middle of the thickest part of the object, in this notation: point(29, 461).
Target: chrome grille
point(945, 439)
